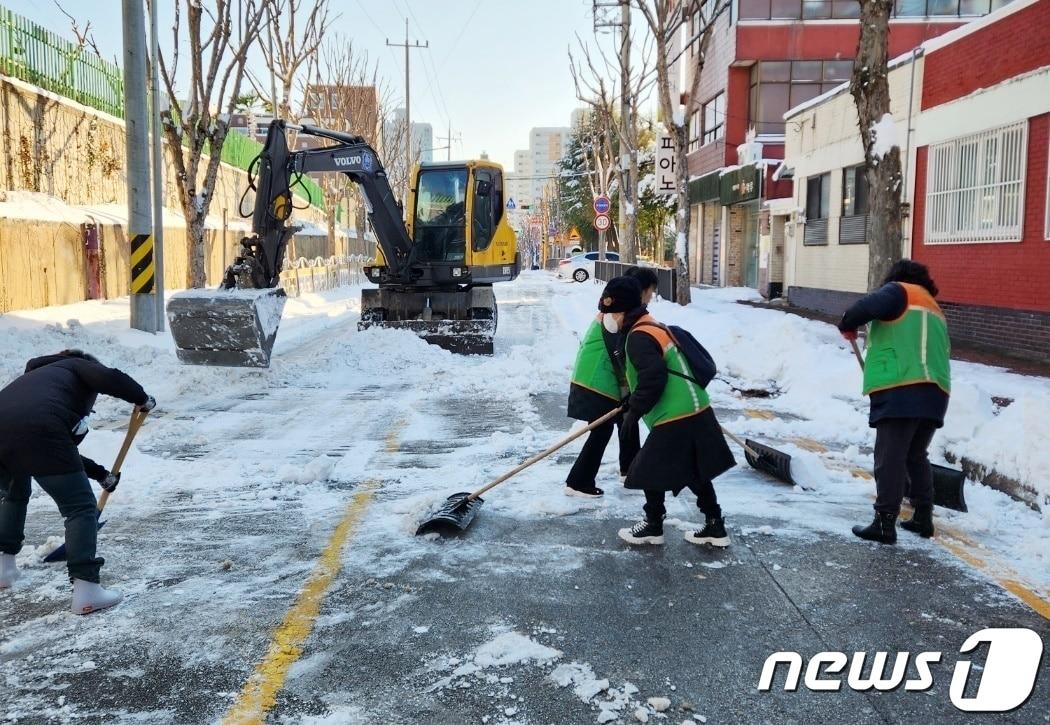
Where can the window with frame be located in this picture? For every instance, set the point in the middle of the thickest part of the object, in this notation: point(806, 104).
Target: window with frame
point(850, 9)
point(975, 187)
point(777, 86)
point(694, 130)
point(713, 115)
point(818, 208)
point(853, 224)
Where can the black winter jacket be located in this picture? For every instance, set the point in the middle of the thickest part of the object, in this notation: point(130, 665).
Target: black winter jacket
point(40, 409)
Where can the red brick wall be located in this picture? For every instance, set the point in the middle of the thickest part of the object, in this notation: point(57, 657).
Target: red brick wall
point(1018, 43)
point(1012, 275)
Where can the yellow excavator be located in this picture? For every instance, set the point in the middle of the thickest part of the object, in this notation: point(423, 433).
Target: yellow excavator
point(433, 271)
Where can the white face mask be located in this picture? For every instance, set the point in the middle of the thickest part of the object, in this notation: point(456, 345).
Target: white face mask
point(610, 324)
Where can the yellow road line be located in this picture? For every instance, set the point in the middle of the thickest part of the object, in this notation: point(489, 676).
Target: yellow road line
point(810, 445)
point(286, 646)
point(756, 413)
point(393, 438)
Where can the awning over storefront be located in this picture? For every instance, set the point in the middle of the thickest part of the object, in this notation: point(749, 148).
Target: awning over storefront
point(740, 185)
point(704, 188)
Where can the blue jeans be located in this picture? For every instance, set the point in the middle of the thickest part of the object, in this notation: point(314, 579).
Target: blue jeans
point(76, 502)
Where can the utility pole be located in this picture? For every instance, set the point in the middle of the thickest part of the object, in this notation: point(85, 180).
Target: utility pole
point(158, 165)
point(408, 108)
point(449, 139)
point(144, 313)
point(627, 123)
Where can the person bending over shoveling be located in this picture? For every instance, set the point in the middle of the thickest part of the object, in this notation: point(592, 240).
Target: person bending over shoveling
point(599, 384)
point(907, 375)
point(685, 447)
point(43, 417)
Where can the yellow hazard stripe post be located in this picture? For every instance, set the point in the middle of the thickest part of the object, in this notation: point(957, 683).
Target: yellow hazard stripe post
point(142, 269)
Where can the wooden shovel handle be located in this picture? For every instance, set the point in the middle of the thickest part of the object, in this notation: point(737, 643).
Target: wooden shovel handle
point(540, 456)
point(740, 442)
point(856, 352)
point(137, 419)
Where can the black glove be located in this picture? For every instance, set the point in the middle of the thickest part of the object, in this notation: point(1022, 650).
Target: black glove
point(625, 402)
point(149, 405)
point(628, 424)
point(110, 482)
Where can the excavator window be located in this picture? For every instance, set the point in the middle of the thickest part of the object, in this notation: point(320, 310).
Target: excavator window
point(440, 227)
point(483, 224)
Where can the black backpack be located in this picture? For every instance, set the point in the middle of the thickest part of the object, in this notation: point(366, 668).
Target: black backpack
point(699, 359)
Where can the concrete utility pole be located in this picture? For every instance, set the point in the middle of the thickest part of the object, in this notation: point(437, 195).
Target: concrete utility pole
point(408, 108)
point(144, 312)
point(626, 122)
point(158, 165)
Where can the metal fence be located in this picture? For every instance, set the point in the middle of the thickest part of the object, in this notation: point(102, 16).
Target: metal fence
point(604, 271)
point(35, 55)
point(320, 274)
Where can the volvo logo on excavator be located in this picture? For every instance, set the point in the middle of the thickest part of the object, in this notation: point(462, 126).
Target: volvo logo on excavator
point(347, 160)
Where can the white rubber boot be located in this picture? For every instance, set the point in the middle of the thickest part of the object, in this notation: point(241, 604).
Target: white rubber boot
point(8, 570)
point(89, 597)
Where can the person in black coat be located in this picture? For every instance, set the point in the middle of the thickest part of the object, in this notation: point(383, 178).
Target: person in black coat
point(43, 417)
point(685, 447)
point(906, 410)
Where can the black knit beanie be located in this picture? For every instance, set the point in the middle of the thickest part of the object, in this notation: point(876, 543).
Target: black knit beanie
point(621, 294)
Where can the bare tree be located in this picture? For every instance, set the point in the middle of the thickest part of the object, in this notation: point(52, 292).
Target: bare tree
point(665, 19)
point(345, 94)
point(869, 86)
point(193, 123)
point(291, 43)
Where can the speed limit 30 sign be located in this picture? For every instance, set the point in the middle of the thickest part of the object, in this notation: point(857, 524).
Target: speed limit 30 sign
point(602, 222)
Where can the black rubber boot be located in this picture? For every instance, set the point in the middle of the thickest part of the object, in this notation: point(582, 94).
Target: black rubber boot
point(921, 521)
point(883, 529)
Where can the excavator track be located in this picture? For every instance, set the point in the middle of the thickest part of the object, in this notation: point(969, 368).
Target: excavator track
point(461, 321)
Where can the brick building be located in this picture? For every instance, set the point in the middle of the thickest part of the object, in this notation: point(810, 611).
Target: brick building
point(973, 122)
point(982, 197)
point(765, 57)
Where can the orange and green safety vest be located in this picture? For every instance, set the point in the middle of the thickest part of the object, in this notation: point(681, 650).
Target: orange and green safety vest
point(681, 397)
point(910, 350)
point(594, 370)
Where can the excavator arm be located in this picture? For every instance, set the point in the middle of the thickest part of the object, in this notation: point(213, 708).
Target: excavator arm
point(259, 265)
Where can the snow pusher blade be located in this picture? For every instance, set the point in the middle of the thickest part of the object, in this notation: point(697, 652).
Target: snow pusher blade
point(460, 508)
point(769, 460)
point(231, 327)
point(764, 458)
point(948, 488)
point(461, 321)
point(454, 515)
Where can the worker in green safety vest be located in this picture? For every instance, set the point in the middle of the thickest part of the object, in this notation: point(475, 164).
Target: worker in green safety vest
point(598, 385)
point(685, 447)
point(907, 376)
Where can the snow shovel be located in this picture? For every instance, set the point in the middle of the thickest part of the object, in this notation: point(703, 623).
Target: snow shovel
point(947, 482)
point(460, 508)
point(134, 424)
point(766, 459)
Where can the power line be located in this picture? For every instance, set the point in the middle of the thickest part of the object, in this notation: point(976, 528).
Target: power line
point(460, 36)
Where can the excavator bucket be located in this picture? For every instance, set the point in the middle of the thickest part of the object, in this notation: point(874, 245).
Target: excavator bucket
point(231, 327)
point(462, 321)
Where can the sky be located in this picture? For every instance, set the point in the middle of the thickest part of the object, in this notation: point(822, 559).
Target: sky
point(494, 68)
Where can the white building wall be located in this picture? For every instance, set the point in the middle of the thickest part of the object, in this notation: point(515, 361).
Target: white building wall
point(825, 138)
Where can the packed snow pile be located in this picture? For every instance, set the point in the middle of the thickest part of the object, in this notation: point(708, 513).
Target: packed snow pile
point(511, 648)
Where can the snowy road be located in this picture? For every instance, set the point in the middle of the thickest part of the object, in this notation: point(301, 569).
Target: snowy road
point(263, 535)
